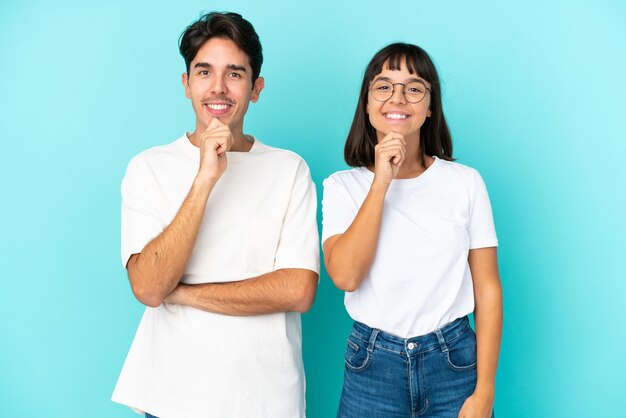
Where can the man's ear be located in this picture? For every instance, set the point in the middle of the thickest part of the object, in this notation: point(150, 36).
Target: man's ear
point(186, 85)
point(259, 83)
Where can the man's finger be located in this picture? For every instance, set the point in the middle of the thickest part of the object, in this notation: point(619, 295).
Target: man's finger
point(215, 123)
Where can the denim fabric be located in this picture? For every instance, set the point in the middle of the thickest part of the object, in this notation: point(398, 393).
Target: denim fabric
point(387, 376)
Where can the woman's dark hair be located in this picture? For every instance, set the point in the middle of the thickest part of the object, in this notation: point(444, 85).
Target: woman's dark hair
point(435, 138)
point(227, 26)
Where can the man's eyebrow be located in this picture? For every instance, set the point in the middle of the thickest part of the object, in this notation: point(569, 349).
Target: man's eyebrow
point(236, 67)
point(229, 66)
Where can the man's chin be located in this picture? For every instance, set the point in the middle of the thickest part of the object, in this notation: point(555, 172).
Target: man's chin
point(206, 121)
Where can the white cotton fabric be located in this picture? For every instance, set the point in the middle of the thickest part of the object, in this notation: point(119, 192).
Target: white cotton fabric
point(260, 217)
point(420, 278)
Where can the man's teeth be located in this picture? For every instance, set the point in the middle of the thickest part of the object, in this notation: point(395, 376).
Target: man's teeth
point(217, 106)
point(396, 116)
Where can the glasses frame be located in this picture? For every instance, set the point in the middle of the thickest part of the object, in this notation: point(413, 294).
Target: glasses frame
point(393, 91)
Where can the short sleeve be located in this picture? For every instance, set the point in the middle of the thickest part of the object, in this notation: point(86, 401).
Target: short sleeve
point(337, 209)
point(140, 216)
point(298, 245)
point(482, 232)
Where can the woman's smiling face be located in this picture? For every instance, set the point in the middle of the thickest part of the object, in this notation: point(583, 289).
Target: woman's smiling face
point(396, 113)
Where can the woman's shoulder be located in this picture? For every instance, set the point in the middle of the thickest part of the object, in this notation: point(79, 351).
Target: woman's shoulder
point(347, 176)
point(453, 168)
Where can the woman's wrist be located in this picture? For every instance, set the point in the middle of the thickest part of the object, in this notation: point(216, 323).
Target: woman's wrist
point(485, 390)
point(379, 186)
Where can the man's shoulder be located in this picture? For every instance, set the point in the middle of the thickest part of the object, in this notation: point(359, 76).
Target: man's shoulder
point(160, 154)
point(156, 159)
point(159, 151)
point(278, 153)
point(280, 159)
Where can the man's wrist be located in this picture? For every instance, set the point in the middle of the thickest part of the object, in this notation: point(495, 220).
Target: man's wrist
point(204, 182)
point(177, 296)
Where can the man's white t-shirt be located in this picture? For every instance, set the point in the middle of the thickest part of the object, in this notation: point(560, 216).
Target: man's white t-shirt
point(420, 278)
point(260, 217)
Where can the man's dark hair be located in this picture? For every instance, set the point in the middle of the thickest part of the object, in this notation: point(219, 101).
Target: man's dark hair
point(435, 138)
point(226, 26)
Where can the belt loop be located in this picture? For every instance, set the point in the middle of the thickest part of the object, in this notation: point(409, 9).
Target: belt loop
point(442, 341)
point(370, 343)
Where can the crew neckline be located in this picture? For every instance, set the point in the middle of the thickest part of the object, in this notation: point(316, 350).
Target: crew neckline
point(410, 182)
point(191, 149)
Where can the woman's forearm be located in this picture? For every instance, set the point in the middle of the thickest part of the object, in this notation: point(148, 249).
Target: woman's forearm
point(348, 256)
point(488, 319)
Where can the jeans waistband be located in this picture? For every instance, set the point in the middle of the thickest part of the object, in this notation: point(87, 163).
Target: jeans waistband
point(421, 344)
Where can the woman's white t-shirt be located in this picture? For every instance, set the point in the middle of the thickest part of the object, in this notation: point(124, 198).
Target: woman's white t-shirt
point(420, 278)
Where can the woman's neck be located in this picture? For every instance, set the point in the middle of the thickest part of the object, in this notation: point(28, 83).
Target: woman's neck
point(413, 164)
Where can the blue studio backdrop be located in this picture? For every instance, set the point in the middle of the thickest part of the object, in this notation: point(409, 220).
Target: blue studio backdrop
point(533, 91)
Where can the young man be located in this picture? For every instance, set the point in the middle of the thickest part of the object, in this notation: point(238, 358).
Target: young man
point(220, 240)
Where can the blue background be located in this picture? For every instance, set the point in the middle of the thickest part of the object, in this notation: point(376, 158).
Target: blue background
point(534, 94)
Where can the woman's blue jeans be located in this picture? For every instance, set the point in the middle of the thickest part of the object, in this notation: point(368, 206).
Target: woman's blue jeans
point(387, 376)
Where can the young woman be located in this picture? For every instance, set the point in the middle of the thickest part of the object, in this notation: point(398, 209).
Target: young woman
point(409, 235)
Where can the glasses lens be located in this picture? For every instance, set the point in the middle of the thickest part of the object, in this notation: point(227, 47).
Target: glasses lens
point(414, 92)
point(382, 90)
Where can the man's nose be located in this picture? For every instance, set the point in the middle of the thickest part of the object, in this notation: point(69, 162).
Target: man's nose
point(218, 86)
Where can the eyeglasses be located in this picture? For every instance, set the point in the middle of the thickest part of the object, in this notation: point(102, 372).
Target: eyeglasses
point(414, 92)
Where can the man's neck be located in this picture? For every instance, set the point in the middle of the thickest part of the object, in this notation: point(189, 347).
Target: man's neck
point(243, 144)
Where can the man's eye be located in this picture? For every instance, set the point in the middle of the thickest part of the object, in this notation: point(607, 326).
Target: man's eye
point(235, 75)
point(203, 72)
